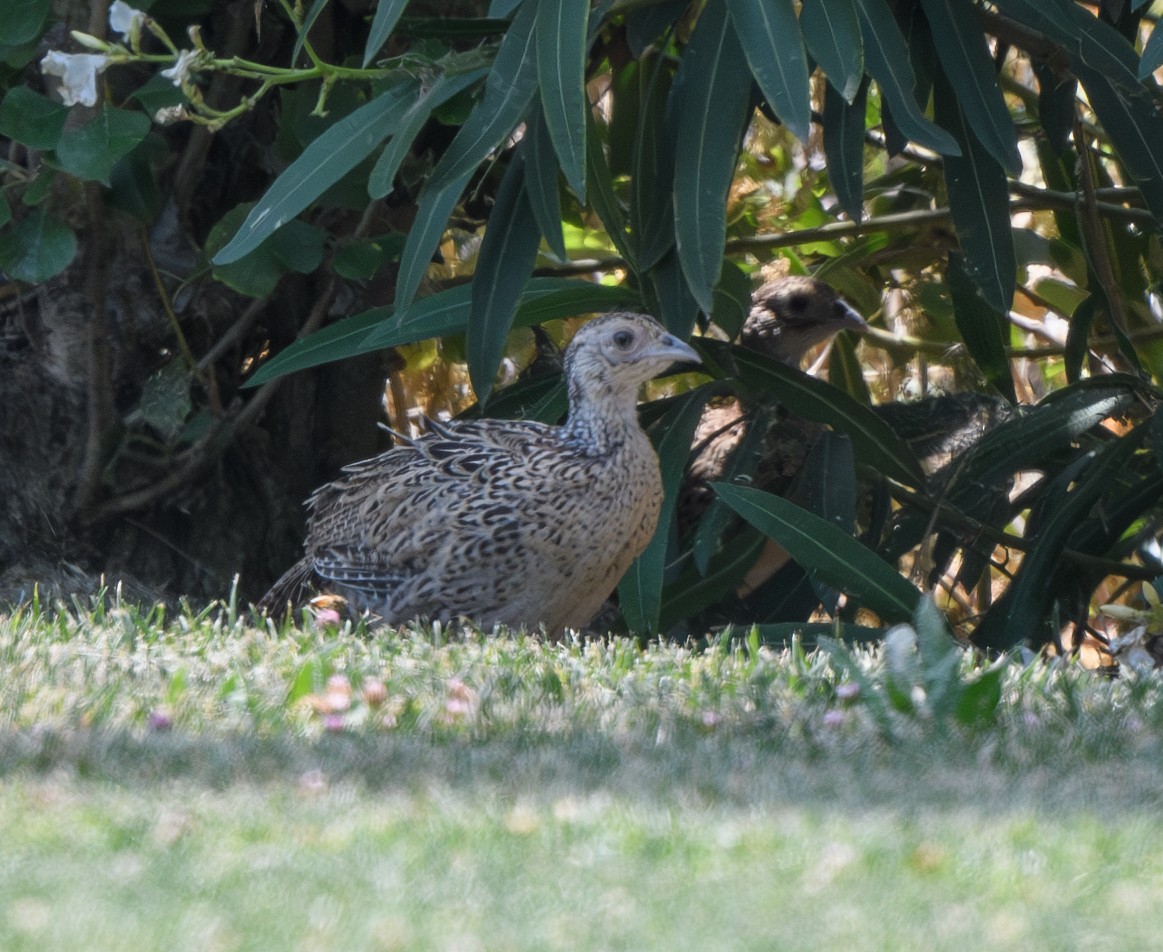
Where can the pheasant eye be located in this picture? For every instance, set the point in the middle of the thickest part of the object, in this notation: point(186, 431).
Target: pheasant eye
point(623, 339)
point(798, 303)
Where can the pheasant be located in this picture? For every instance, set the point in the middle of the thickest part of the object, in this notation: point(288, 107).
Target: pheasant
point(512, 523)
point(788, 317)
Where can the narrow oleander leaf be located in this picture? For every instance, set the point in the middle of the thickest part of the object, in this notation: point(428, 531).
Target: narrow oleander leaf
point(304, 29)
point(677, 306)
point(982, 328)
point(875, 443)
point(509, 89)
point(829, 553)
point(541, 168)
point(712, 95)
point(979, 201)
point(651, 188)
point(844, 148)
point(603, 197)
point(1131, 120)
point(503, 268)
point(323, 163)
point(1152, 57)
point(1020, 614)
point(387, 13)
point(408, 126)
point(433, 209)
point(886, 57)
point(561, 52)
point(1085, 38)
point(640, 591)
point(439, 315)
point(966, 61)
point(769, 33)
point(831, 30)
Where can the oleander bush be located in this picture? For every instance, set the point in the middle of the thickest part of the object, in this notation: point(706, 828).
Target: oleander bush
point(225, 225)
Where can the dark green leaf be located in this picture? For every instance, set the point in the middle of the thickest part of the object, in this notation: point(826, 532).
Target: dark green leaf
point(295, 247)
point(651, 196)
point(503, 267)
point(770, 36)
point(32, 119)
point(676, 305)
point(541, 168)
point(439, 315)
point(561, 54)
point(1078, 337)
point(886, 57)
point(157, 93)
point(433, 209)
point(407, 127)
point(600, 188)
point(304, 29)
point(740, 467)
point(165, 399)
point(91, 151)
point(37, 248)
point(965, 59)
point(1020, 614)
point(982, 328)
point(323, 163)
point(712, 96)
point(508, 90)
point(844, 148)
point(876, 444)
point(387, 13)
point(1135, 128)
point(640, 591)
point(979, 201)
point(697, 590)
point(359, 260)
point(22, 21)
point(732, 299)
point(1087, 40)
point(1152, 57)
point(832, 34)
point(977, 701)
point(828, 552)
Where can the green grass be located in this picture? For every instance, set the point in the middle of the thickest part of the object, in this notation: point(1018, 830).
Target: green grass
point(195, 782)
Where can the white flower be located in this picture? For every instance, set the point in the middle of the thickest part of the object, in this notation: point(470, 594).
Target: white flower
point(125, 20)
point(78, 73)
point(180, 71)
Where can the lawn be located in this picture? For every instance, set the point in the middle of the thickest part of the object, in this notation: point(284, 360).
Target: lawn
point(197, 782)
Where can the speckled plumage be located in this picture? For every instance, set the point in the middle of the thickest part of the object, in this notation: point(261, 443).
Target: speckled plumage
point(503, 522)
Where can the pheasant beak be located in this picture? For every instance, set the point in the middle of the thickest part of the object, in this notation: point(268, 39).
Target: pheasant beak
point(850, 318)
point(669, 346)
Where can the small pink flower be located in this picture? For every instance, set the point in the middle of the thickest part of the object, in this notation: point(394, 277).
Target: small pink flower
point(848, 691)
point(160, 720)
point(834, 719)
point(333, 722)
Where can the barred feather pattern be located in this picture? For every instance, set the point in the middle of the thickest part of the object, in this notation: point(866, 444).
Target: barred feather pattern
point(504, 522)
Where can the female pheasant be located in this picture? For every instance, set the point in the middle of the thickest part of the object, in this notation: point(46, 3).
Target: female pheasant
point(504, 522)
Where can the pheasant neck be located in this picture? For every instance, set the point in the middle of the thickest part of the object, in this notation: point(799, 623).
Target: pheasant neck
point(600, 424)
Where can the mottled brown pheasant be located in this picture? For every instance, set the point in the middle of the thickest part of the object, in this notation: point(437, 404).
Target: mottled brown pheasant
point(788, 317)
point(504, 522)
